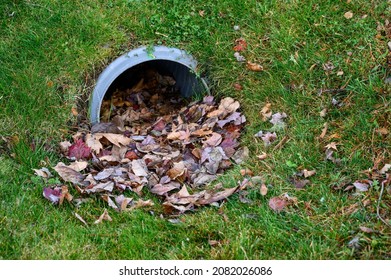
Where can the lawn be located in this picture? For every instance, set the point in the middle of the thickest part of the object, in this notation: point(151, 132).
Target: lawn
point(325, 64)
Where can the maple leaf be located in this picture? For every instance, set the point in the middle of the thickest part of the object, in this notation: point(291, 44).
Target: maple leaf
point(79, 150)
point(93, 142)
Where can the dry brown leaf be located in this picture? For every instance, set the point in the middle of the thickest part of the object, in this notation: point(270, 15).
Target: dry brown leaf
point(175, 135)
point(123, 201)
point(266, 112)
point(262, 156)
point(101, 187)
point(111, 203)
point(227, 106)
point(104, 174)
point(385, 169)
point(217, 196)
point(68, 174)
point(383, 131)
point(366, 229)
point(348, 15)
point(241, 155)
point(142, 203)
point(160, 189)
point(139, 168)
point(214, 140)
point(332, 146)
point(246, 171)
point(170, 208)
point(183, 197)
point(93, 141)
point(115, 139)
point(65, 195)
point(177, 171)
point(308, 173)
point(264, 189)
point(78, 165)
point(64, 147)
point(104, 217)
point(43, 172)
point(254, 66)
point(202, 132)
point(323, 113)
point(277, 204)
point(324, 130)
point(238, 87)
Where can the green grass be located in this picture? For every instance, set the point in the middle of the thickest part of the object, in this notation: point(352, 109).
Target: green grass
point(52, 51)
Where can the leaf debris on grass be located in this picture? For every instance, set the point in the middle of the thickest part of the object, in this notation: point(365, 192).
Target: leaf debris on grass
point(161, 146)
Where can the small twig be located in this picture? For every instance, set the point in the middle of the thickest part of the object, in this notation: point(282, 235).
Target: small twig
point(281, 143)
point(378, 203)
point(161, 34)
point(331, 90)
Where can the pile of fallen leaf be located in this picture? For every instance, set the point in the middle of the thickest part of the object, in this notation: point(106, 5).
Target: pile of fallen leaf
point(153, 144)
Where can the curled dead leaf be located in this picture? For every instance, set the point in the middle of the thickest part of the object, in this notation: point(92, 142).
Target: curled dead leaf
point(254, 66)
point(308, 173)
point(177, 171)
point(266, 112)
point(217, 196)
point(262, 156)
point(43, 172)
point(104, 217)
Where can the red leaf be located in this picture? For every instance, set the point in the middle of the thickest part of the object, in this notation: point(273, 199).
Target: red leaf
point(79, 150)
point(240, 45)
